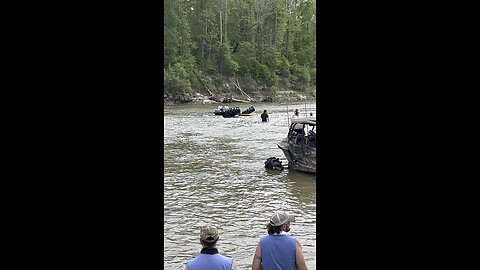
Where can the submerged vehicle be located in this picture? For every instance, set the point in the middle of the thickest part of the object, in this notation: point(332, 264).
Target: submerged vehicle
point(232, 112)
point(300, 146)
point(220, 110)
point(248, 112)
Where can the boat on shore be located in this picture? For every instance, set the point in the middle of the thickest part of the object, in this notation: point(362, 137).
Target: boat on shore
point(300, 145)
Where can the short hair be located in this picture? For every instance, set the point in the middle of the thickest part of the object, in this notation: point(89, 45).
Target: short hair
point(274, 229)
point(208, 244)
point(264, 110)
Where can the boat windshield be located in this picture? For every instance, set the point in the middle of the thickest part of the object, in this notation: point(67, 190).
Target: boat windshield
point(304, 126)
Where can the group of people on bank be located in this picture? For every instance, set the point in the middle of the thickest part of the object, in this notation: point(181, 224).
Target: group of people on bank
point(277, 250)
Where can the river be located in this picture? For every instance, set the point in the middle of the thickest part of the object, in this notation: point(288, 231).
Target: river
point(214, 174)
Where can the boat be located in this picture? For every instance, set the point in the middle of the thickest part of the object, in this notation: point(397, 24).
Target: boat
point(232, 112)
point(300, 145)
point(220, 110)
point(248, 112)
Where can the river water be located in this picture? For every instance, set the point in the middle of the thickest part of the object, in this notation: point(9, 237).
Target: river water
point(214, 174)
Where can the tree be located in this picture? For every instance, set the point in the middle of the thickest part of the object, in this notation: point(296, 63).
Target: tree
point(266, 40)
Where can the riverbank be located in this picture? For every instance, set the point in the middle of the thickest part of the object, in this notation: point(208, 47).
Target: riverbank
point(242, 90)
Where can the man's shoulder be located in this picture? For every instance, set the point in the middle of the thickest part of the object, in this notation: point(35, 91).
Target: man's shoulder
point(203, 257)
point(289, 237)
point(276, 235)
point(224, 257)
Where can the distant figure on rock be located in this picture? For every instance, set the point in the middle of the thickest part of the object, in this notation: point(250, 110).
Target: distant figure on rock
point(264, 116)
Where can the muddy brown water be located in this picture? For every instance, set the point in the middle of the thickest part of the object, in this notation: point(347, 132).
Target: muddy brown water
point(214, 174)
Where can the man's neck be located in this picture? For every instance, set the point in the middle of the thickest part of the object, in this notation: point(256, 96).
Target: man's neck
point(209, 250)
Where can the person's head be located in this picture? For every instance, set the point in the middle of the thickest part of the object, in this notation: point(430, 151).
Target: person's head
point(208, 236)
point(264, 111)
point(296, 111)
point(279, 221)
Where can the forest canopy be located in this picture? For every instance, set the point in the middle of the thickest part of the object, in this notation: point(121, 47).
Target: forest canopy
point(272, 42)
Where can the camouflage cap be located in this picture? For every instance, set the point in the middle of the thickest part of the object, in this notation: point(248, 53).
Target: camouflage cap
point(209, 234)
point(280, 218)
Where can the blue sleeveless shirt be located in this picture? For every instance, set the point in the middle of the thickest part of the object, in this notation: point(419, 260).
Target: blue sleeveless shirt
point(210, 262)
point(278, 252)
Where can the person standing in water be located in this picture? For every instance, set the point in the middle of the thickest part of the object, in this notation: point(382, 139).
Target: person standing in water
point(296, 114)
point(298, 127)
point(264, 116)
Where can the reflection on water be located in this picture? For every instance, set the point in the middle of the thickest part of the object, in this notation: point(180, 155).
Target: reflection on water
point(214, 174)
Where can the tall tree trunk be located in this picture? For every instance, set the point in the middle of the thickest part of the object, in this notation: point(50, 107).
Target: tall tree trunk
point(203, 41)
point(315, 27)
point(221, 32)
point(276, 30)
point(226, 13)
point(221, 47)
point(287, 32)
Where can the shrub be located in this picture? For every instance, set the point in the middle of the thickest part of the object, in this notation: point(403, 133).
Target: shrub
point(176, 80)
point(301, 72)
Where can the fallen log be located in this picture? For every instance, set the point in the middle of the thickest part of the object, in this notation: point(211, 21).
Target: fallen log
point(239, 100)
point(237, 85)
point(206, 86)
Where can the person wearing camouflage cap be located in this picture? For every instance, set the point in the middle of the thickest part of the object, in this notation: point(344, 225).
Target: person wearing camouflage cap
point(277, 250)
point(209, 258)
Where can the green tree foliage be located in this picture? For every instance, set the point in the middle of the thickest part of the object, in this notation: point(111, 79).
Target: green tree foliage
point(266, 40)
point(175, 80)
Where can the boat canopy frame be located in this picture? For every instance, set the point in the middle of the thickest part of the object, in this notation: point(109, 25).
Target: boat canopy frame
point(301, 121)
